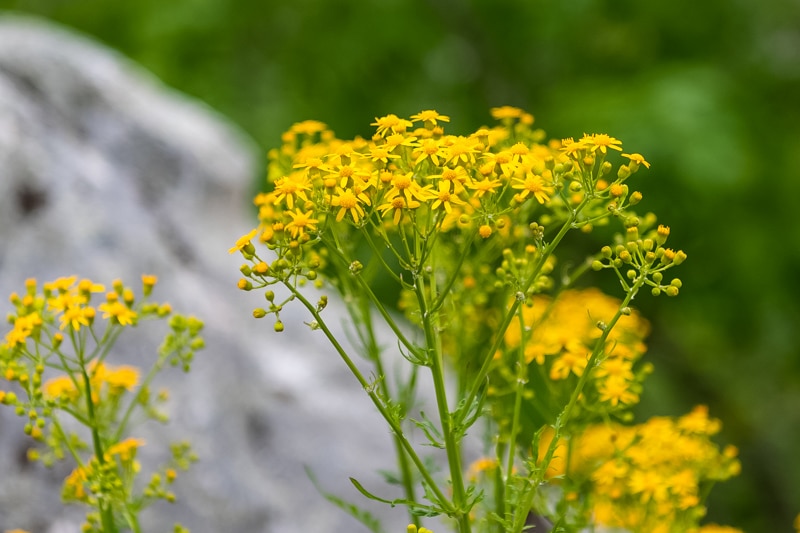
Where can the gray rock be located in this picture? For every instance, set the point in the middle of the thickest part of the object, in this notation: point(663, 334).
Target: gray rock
point(105, 173)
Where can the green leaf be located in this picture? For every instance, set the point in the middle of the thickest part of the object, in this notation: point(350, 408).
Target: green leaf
point(363, 516)
point(432, 432)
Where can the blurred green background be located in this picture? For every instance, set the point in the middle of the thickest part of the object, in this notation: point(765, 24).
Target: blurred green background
point(708, 91)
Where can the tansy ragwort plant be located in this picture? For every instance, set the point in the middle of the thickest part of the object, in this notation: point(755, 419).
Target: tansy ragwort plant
point(466, 229)
point(80, 406)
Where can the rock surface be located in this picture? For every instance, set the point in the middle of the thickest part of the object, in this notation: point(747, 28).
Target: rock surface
point(105, 173)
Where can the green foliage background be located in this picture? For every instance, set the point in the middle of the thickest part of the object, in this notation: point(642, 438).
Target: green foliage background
point(706, 90)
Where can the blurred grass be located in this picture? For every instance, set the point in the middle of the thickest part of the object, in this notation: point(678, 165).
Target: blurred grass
point(707, 91)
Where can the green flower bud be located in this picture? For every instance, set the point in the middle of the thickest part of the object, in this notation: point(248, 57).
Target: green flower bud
point(597, 265)
point(671, 290)
point(631, 274)
point(623, 172)
point(680, 257)
point(657, 277)
point(245, 269)
point(656, 291)
point(356, 267)
point(259, 313)
point(676, 283)
point(605, 251)
point(269, 295)
point(278, 326)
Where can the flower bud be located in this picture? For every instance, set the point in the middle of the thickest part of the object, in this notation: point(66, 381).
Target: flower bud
point(680, 257)
point(661, 234)
point(623, 172)
point(259, 312)
point(597, 265)
point(245, 270)
point(635, 198)
point(676, 283)
point(278, 326)
point(356, 267)
point(605, 251)
point(671, 291)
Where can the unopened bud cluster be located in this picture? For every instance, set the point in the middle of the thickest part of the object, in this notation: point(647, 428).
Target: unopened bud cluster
point(642, 259)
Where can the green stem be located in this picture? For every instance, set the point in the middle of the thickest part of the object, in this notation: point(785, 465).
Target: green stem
point(478, 384)
point(371, 345)
point(393, 423)
point(451, 442)
point(106, 512)
point(520, 385)
point(563, 418)
point(437, 304)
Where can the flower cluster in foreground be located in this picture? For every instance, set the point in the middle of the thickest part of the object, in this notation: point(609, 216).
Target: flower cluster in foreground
point(460, 233)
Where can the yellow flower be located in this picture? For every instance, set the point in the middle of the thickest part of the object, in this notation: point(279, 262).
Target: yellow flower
point(615, 390)
point(484, 464)
point(445, 198)
point(573, 361)
point(23, 327)
point(430, 149)
point(308, 127)
point(300, 223)
point(484, 186)
point(601, 141)
point(506, 112)
point(119, 311)
point(429, 116)
point(126, 449)
point(533, 184)
point(74, 483)
point(120, 377)
point(346, 201)
point(460, 150)
point(76, 316)
point(391, 124)
point(638, 158)
point(397, 204)
point(290, 187)
point(61, 387)
point(404, 185)
point(243, 241)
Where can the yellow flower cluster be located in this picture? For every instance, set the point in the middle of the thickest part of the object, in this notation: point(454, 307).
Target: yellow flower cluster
point(106, 382)
point(561, 334)
point(69, 302)
point(650, 477)
point(409, 170)
point(89, 477)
